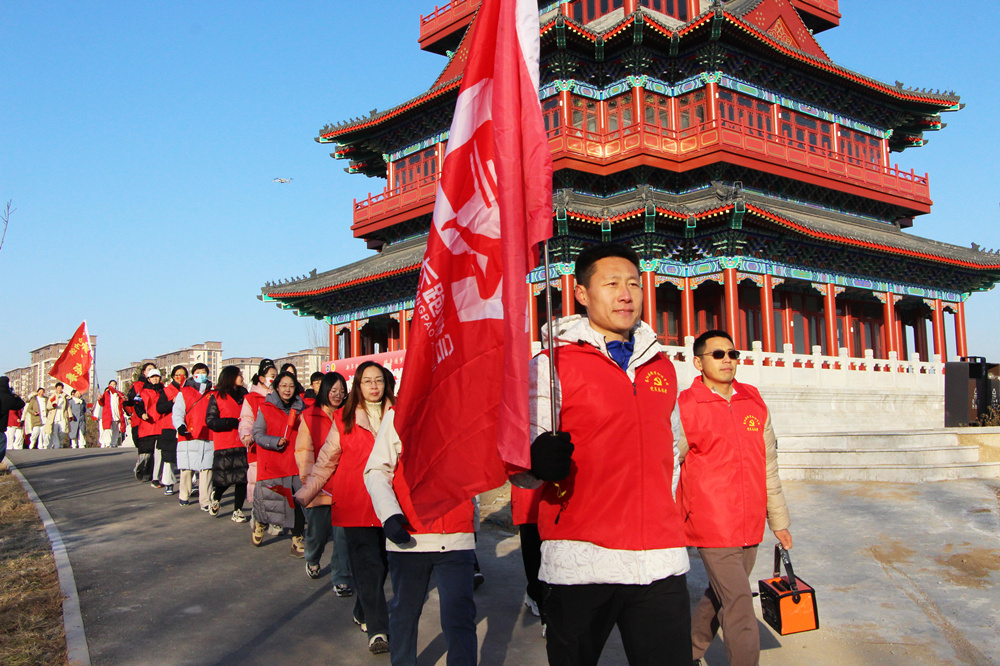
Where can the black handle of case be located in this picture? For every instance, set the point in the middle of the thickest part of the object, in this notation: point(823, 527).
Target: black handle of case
point(781, 555)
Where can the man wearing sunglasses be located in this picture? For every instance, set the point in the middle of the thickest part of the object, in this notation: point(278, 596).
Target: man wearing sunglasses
point(729, 485)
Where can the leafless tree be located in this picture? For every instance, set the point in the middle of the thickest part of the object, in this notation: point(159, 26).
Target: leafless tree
point(5, 216)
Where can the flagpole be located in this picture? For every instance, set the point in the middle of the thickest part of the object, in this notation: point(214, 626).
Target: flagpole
point(552, 346)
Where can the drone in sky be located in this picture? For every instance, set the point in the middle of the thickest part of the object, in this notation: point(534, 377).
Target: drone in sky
point(282, 180)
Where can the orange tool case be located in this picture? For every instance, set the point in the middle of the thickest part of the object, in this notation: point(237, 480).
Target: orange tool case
point(788, 603)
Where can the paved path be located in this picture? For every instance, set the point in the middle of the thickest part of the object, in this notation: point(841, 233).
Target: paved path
point(907, 574)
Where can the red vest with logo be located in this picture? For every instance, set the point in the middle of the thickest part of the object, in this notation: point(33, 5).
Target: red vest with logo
point(352, 505)
point(228, 409)
point(256, 400)
point(278, 464)
point(618, 493)
point(723, 489)
point(155, 427)
point(195, 406)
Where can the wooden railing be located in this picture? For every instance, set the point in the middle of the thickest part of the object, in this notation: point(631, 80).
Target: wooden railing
point(397, 199)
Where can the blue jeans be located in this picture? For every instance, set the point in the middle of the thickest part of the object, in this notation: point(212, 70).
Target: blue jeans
point(318, 532)
point(411, 574)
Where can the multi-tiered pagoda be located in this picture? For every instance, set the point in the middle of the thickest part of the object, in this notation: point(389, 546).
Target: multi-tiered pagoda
point(753, 175)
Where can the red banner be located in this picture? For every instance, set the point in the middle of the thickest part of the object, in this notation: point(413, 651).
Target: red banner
point(391, 361)
point(73, 365)
point(462, 414)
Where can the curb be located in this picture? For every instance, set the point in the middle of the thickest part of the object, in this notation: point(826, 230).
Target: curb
point(77, 652)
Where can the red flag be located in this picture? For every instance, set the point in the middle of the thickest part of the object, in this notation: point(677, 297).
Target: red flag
point(462, 413)
point(73, 365)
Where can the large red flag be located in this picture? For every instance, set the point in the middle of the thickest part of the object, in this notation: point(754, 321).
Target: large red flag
point(73, 365)
point(462, 413)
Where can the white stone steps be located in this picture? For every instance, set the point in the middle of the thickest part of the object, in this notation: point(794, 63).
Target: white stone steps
point(911, 455)
point(892, 473)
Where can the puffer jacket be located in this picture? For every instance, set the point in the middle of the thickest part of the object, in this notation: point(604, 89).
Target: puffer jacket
point(316, 433)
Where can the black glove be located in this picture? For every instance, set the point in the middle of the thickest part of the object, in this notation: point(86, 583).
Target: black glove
point(183, 431)
point(395, 531)
point(232, 424)
point(551, 456)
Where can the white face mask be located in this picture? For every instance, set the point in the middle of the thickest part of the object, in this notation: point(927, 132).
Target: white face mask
point(200, 378)
point(268, 382)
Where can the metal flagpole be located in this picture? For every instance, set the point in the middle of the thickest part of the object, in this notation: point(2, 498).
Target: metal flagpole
point(552, 346)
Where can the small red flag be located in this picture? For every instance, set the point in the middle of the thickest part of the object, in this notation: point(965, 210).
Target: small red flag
point(73, 366)
point(462, 413)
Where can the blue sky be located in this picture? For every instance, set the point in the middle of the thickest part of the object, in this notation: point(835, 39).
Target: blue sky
point(139, 141)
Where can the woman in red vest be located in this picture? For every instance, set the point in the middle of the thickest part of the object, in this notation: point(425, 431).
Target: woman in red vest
point(229, 463)
point(150, 423)
point(274, 432)
point(357, 424)
point(261, 385)
point(317, 428)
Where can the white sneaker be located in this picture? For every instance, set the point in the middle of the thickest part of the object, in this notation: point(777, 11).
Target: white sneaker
point(378, 644)
point(530, 604)
point(274, 530)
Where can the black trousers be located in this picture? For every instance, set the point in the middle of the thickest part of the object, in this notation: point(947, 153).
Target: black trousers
point(369, 566)
point(654, 621)
point(239, 494)
point(531, 556)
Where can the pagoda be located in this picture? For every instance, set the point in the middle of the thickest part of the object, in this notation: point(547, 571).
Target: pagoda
point(753, 175)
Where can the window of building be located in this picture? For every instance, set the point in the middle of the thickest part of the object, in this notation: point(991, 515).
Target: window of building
point(859, 148)
point(620, 112)
point(747, 114)
point(586, 11)
point(415, 169)
point(692, 109)
point(583, 115)
point(551, 114)
point(676, 8)
point(805, 132)
point(656, 111)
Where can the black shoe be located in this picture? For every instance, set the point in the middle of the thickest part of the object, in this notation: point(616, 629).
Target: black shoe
point(477, 580)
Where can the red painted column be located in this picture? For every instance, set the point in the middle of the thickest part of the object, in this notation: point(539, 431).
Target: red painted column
point(732, 306)
point(393, 343)
point(786, 322)
point(920, 337)
point(649, 298)
point(566, 9)
point(937, 326)
point(960, 342)
point(687, 310)
point(564, 100)
point(333, 344)
point(532, 313)
point(630, 6)
point(849, 329)
point(902, 352)
point(568, 299)
point(404, 330)
point(355, 339)
point(830, 312)
point(889, 324)
point(767, 313)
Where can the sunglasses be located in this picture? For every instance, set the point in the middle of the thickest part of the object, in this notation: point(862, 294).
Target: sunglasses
point(720, 354)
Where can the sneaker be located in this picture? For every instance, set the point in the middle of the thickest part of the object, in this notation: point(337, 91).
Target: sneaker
point(378, 644)
point(137, 472)
point(298, 546)
point(362, 625)
point(343, 590)
point(530, 604)
point(239, 517)
point(213, 508)
point(168, 490)
point(274, 530)
point(156, 484)
point(477, 580)
point(257, 537)
point(184, 502)
point(206, 508)
point(312, 570)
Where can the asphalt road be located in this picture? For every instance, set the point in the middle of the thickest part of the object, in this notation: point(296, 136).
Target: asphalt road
point(905, 574)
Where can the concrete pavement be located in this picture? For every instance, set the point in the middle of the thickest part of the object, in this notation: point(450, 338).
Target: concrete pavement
point(905, 574)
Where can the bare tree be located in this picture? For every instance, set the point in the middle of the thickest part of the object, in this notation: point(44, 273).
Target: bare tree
point(5, 216)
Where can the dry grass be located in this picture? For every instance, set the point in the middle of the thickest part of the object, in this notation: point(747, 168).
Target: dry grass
point(31, 623)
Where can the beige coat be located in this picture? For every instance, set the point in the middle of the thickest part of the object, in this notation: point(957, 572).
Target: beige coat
point(311, 467)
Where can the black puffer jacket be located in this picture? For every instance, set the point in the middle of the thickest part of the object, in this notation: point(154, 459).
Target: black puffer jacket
point(8, 401)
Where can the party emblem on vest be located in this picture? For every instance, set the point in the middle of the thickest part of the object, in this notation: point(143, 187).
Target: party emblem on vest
point(752, 423)
point(657, 382)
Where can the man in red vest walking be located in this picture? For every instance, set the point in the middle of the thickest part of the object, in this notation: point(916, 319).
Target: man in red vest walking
point(613, 550)
point(729, 486)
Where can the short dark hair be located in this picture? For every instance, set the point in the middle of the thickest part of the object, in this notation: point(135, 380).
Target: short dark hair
point(179, 367)
point(591, 255)
point(702, 340)
point(199, 366)
point(59, 384)
point(226, 385)
point(316, 377)
point(329, 380)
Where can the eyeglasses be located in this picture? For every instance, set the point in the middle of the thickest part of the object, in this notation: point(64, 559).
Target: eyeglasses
point(338, 391)
point(720, 354)
point(372, 382)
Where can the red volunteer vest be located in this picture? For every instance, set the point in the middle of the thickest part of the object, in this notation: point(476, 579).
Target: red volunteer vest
point(228, 409)
point(524, 504)
point(618, 493)
point(108, 398)
point(195, 407)
point(319, 425)
point(274, 464)
point(136, 388)
point(723, 488)
point(155, 427)
point(14, 418)
point(256, 400)
point(352, 505)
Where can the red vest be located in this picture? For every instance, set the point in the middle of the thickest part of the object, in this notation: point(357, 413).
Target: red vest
point(352, 505)
point(524, 504)
point(618, 493)
point(256, 400)
point(155, 427)
point(319, 425)
point(13, 418)
point(195, 406)
point(136, 390)
point(109, 397)
point(228, 409)
point(723, 489)
point(275, 464)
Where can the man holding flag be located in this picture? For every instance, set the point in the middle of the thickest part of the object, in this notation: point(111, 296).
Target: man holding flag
point(469, 337)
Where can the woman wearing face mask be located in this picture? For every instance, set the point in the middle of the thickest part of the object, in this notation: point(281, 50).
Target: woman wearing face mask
point(357, 424)
point(194, 448)
point(261, 385)
point(132, 400)
point(229, 461)
point(274, 432)
point(165, 465)
point(317, 424)
point(150, 423)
